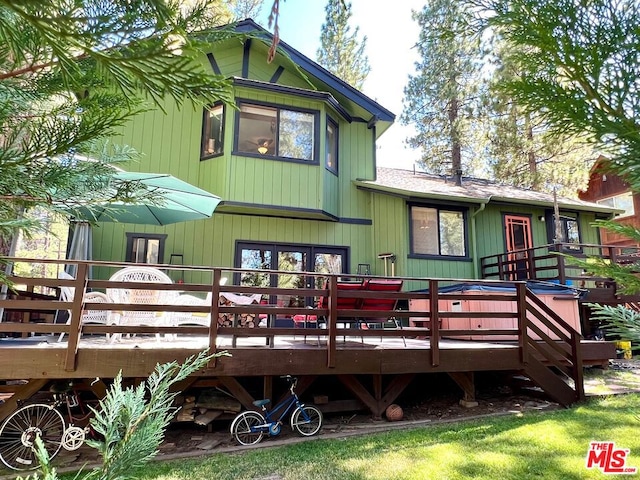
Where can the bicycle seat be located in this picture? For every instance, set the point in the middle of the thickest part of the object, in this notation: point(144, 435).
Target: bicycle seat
point(262, 403)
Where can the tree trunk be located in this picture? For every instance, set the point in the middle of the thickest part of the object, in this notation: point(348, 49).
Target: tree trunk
point(456, 149)
point(531, 154)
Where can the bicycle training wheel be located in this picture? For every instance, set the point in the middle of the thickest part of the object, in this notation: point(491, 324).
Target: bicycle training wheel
point(19, 432)
point(244, 428)
point(306, 420)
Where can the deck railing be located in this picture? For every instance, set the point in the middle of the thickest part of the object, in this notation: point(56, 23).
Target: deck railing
point(431, 312)
point(552, 263)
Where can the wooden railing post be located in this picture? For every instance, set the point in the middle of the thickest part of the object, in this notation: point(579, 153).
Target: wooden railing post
point(531, 264)
point(562, 273)
point(435, 323)
point(215, 310)
point(75, 325)
point(576, 350)
point(500, 268)
point(521, 299)
point(332, 321)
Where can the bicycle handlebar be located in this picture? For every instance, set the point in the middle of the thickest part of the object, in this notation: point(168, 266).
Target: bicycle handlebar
point(292, 380)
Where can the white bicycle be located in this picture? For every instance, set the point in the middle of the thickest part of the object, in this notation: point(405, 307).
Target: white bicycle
point(20, 430)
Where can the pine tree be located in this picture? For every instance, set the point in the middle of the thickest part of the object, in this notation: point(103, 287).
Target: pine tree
point(580, 71)
point(71, 73)
point(440, 99)
point(521, 150)
point(340, 50)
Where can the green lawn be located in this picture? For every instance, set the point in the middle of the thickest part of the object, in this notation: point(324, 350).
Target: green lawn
point(532, 446)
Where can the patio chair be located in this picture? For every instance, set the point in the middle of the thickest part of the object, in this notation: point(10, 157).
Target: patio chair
point(99, 317)
point(385, 304)
point(192, 318)
point(343, 302)
point(142, 296)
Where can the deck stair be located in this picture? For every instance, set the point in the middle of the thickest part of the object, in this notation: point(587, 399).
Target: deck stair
point(551, 353)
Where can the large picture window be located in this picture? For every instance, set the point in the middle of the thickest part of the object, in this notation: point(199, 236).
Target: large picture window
point(276, 132)
point(438, 232)
point(212, 131)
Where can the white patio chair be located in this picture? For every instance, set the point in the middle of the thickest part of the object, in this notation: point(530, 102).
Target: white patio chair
point(132, 295)
point(192, 318)
point(99, 317)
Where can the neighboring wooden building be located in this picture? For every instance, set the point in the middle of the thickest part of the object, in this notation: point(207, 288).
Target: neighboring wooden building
point(607, 188)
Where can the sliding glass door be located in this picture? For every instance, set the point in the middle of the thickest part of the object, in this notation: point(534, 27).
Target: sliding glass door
point(296, 259)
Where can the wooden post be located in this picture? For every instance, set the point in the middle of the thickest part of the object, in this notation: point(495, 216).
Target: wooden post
point(267, 389)
point(215, 310)
point(500, 268)
point(377, 391)
point(578, 379)
point(531, 264)
point(521, 300)
point(332, 321)
point(435, 323)
point(562, 274)
point(75, 324)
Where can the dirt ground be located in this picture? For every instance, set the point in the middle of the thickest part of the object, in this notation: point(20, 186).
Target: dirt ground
point(494, 398)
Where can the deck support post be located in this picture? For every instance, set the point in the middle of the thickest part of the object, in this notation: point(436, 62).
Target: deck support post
point(239, 392)
point(465, 380)
point(267, 387)
point(379, 401)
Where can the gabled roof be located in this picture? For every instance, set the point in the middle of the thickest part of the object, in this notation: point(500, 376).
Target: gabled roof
point(377, 111)
point(420, 185)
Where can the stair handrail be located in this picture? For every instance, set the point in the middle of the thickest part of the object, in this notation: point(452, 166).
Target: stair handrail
point(571, 339)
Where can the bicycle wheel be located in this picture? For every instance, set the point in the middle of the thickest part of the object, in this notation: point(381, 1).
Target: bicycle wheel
point(244, 428)
point(19, 432)
point(306, 420)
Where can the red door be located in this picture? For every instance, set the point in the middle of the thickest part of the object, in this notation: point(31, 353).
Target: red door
point(518, 242)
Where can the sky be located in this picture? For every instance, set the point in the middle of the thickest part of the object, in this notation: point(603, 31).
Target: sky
point(391, 34)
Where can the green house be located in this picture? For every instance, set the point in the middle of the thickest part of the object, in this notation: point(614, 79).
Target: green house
point(295, 166)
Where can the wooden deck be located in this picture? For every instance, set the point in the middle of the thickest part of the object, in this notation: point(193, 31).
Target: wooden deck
point(374, 364)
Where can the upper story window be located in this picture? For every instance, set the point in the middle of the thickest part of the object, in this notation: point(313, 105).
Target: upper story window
point(332, 146)
point(145, 247)
point(277, 132)
point(212, 131)
point(624, 201)
point(438, 232)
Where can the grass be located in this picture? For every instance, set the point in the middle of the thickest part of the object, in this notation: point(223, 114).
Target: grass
point(531, 446)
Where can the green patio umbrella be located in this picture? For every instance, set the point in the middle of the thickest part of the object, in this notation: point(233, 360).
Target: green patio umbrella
point(177, 201)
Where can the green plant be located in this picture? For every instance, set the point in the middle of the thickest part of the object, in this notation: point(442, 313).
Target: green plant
point(131, 422)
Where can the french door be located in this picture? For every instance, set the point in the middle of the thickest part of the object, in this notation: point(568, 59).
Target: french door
point(518, 242)
point(296, 259)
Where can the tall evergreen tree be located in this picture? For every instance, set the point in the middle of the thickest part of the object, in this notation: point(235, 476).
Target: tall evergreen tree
point(340, 50)
point(521, 150)
point(71, 73)
point(440, 99)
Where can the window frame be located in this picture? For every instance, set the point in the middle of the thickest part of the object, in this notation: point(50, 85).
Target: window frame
point(440, 256)
point(618, 195)
point(278, 107)
point(203, 136)
point(331, 122)
point(131, 236)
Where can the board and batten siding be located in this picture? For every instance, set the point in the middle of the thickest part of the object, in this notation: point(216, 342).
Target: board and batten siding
point(391, 235)
point(212, 242)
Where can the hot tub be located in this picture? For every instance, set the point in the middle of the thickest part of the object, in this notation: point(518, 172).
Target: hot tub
point(563, 300)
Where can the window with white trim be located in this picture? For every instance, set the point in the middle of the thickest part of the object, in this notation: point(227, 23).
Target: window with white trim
point(624, 201)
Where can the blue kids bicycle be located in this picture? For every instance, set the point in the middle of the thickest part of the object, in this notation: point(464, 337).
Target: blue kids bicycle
point(249, 427)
